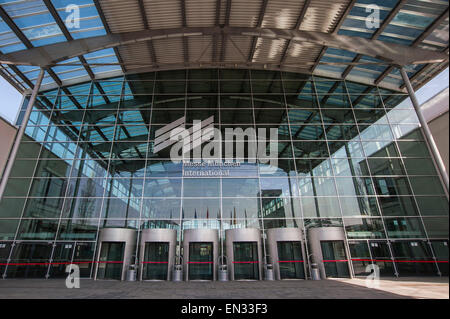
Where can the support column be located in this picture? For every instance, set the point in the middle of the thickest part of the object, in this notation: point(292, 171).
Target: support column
point(12, 155)
point(426, 130)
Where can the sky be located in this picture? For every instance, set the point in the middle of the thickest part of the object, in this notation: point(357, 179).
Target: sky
point(435, 86)
point(10, 98)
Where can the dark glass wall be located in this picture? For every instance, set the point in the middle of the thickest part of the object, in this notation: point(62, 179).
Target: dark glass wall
point(347, 155)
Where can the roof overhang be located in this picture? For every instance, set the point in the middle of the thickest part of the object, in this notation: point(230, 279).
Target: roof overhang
point(391, 53)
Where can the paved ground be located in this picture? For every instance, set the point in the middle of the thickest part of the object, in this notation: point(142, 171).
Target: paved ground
point(423, 288)
point(325, 289)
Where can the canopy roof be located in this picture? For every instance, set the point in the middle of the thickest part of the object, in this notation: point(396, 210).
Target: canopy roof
point(325, 38)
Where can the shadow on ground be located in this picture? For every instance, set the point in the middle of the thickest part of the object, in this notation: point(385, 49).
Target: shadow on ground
point(324, 289)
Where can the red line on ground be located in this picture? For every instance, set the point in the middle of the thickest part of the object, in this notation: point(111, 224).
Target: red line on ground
point(200, 262)
point(245, 262)
point(290, 261)
point(155, 262)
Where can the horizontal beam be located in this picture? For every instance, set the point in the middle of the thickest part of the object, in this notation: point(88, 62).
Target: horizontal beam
point(221, 65)
point(393, 53)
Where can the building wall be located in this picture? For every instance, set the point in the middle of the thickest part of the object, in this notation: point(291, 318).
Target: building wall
point(439, 128)
point(436, 113)
point(347, 159)
point(7, 134)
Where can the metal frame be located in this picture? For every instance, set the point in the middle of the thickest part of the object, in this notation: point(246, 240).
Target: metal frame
point(427, 132)
point(377, 33)
point(141, 208)
point(52, 54)
point(161, 235)
point(20, 132)
point(117, 235)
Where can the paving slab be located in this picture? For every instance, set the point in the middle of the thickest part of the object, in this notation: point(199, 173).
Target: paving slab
point(420, 288)
point(290, 289)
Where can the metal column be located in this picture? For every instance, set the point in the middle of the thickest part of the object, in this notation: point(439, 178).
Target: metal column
point(12, 155)
point(426, 130)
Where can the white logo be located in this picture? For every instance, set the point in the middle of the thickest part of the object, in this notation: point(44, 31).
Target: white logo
point(373, 20)
point(185, 143)
point(373, 280)
point(73, 19)
point(73, 279)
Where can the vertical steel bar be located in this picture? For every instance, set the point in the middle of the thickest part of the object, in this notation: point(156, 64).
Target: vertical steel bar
point(426, 130)
point(12, 155)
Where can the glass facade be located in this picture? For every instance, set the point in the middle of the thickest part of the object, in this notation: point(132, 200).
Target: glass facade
point(348, 155)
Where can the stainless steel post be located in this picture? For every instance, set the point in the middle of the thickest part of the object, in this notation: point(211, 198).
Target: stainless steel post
point(12, 155)
point(426, 130)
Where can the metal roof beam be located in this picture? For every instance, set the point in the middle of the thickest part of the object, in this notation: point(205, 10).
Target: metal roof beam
point(441, 19)
point(262, 12)
point(9, 78)
point(416, 43)
point(108, 31)
point(11, 24)
point(335, 31)
point(392, 53)
point(215, 36)
point(377, 34)
point(184, 23)
point(225, 34)
point(67, 34)
point(300, 19)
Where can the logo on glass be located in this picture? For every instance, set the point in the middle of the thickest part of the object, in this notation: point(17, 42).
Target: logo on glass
point(202, 141)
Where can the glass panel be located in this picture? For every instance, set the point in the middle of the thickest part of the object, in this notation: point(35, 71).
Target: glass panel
point(382, 256)
point(291, 261)
point(359, 228)
point(111, 261)
point(5, 249)
point(440, 249)
point(29, 260)
point(83, 257)
point(404, 228)
point(246, 264)
point(335, 259)
point(62, 256)
point(360, 257)
point(200, 261)
point(156, 260)
point(414, 258)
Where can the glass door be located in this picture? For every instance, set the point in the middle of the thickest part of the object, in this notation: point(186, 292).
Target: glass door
point(290, 259)
point(245, 261)
point(335, 259)
point(382, 256)
point(62, 257)
point(111, 261)
point(156, 261)
point(440, 248)
point(200, 261)
point(414, 258)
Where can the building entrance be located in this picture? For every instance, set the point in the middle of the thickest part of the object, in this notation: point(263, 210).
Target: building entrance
point(245, 261)
point(290, 259)
point(200, 261)
point(110, 263)
point(335, 259)
point(156, 260)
